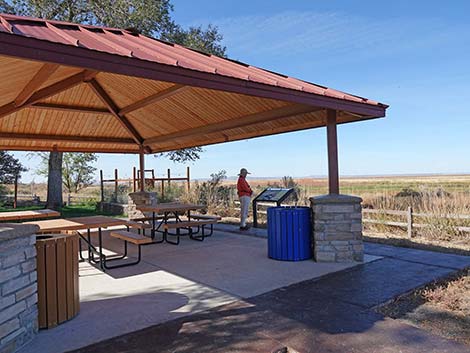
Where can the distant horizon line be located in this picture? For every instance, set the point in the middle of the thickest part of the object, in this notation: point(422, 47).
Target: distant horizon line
point(325, 176)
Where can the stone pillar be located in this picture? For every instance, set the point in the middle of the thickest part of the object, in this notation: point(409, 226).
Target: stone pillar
point(337, 228)
point(141, 198)
point(18, 286)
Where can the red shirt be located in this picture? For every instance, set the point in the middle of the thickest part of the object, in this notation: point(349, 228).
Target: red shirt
point(243, 187)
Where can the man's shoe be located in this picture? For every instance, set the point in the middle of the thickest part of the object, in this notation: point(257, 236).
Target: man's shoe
point(244, 228)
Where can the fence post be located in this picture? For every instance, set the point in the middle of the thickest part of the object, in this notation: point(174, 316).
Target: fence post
point(116, 177)
point(189, 180)
point(410, 222)
point(134, 177)
point(102, 185)
point(15, 199)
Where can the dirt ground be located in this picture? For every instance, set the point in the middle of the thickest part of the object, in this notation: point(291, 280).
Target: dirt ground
point(442, 308)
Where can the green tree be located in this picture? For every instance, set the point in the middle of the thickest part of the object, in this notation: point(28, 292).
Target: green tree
point(5, 7)
point(77, 169)
point(10, 168)
point(149, 17)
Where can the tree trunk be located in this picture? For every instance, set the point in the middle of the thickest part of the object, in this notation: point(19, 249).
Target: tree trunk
point(54, 181)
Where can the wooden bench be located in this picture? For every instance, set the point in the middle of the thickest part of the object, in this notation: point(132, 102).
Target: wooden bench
point(128, 237)
point(140, 226)
point(205, 216)
point(189, 225)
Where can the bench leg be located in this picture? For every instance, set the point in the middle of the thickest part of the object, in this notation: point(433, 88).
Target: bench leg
point(197, 237)
point(82, 259)
point(211, 230)
point(177, 237)
point(121, 256)
point(139, 257)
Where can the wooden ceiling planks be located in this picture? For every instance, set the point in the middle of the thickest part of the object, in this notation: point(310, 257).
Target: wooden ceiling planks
point(15, 75)
point(80, 95)
point(60, 74)
point(305, 121)
point(126, 90)
point(34, 121)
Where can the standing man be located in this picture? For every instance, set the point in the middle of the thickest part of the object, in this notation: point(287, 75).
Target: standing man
point(244, 194)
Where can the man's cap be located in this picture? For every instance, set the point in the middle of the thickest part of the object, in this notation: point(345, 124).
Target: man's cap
point(243, 170)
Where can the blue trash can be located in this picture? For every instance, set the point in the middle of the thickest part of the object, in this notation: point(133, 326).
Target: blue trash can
point(289, 233)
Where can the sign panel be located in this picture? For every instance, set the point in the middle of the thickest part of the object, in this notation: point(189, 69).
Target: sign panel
point(273, 194)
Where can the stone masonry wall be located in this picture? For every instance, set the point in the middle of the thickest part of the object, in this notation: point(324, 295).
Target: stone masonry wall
point(337, 228)
point(18, 286)
point(112, 208)
point(140, 198)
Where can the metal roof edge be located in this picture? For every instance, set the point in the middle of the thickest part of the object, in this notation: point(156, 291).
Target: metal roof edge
point(40, 50)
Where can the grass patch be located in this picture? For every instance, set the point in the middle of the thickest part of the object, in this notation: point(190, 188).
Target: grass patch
point(29, 208)
point(83, 211)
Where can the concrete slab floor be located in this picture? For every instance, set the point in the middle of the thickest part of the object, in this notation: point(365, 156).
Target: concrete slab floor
point(171, 282)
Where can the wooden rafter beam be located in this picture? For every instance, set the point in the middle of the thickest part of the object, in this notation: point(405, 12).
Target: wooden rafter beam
point(71, 108)
point(67, 138)
point(68, 149)
point(166, 93)
point(266, 116)
point(114, 110)
point(38, 79)
point(48, 91)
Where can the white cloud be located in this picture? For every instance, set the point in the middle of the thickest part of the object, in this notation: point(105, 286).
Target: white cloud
point(326, 34)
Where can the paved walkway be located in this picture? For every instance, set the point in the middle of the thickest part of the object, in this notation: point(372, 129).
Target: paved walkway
point(331, 314)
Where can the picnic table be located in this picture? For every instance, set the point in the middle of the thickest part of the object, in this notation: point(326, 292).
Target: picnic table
point(168, 211)
point(80, 224)
point(25, 215)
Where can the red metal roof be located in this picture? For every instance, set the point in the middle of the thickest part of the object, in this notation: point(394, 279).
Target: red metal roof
point(129, 44)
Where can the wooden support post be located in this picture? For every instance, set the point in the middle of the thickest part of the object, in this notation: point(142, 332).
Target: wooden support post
point(134, 178)
point(15, 197)
point(169, 176)
point(333, 172)
point(188, 179)
point(102, 185)
point(163, 188)
point(410, 222)
point(116, 185)
point(142, 169)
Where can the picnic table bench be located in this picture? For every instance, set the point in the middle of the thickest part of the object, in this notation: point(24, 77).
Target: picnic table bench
point(170, 216)
point(27, 215)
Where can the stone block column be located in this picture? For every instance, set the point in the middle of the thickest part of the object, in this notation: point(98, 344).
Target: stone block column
point(18, 286)
point(337, 228)
point(141, 198)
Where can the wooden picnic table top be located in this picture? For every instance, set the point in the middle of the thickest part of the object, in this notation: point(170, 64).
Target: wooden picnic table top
point(78, 223)
point(170, 207)
point(23, 215)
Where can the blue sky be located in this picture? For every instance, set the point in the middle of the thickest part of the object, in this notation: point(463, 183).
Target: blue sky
point(412, 55)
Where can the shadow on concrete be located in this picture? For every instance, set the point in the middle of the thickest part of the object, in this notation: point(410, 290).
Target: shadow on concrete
point(327, 326)
point(108, 317)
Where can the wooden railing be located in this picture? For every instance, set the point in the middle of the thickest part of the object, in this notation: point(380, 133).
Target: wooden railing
point(410, 223)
